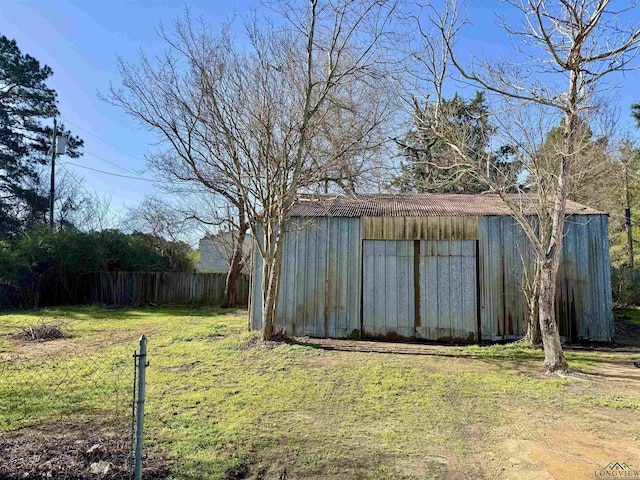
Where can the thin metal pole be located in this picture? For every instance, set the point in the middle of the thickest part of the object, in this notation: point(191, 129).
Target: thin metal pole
point(54, 147)
point(133, 410)
point(142, 366)
point(627, 214)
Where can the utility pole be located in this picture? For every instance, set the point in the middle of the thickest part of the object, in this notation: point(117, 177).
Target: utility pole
point(54, 147)
point(627, 156)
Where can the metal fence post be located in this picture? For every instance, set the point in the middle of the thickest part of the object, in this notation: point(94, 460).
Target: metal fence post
point(142, 366)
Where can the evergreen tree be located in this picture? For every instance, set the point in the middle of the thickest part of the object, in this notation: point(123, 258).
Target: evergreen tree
point(428, 164)
point(25, 103)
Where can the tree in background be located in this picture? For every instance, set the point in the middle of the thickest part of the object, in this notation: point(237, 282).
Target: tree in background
point(635, 111)
point(25, 103)
point(430, 164)
point(163, 227)
point(157, 217)
point(598, 173)
point(176, 253)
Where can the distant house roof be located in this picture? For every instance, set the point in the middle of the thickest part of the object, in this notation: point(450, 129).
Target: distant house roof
point(415, 205)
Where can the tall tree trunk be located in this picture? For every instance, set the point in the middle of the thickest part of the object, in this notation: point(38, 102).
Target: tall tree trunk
point(236, 264)
point(533, 336)
point(271, 268)
point(531, 291)
point(268, 300)
point(553, 356)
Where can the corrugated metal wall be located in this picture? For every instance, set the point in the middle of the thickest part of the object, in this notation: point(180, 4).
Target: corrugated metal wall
point(320, 280)
point(583, 299)
point(322, 268)
point(420, 228)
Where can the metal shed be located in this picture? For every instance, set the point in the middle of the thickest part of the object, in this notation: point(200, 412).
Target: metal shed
point(438, 267)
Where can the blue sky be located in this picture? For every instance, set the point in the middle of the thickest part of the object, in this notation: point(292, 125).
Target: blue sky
point(80, 40)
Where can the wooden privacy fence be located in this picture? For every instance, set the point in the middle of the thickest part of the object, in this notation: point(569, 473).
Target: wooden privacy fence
point(161, 288)
point(124, 288)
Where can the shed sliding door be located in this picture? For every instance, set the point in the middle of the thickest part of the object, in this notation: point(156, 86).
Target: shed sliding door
point(448, 291)
point(388, 293)
point(446, 295)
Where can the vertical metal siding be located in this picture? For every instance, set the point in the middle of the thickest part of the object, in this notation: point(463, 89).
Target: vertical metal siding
point(583, 297)
point(388, 280)
point(492, 286)
point(448, 290)
point(320, 279)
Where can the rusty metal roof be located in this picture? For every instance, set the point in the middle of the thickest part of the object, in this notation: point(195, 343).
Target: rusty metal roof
point(416, 205)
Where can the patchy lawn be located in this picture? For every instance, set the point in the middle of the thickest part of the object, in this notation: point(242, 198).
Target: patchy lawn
point(222, 405)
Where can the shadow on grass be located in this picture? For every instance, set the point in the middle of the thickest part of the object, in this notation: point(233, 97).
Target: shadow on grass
point(494, 354)
point(102, 312)
point(427, 349)
point(626, 378)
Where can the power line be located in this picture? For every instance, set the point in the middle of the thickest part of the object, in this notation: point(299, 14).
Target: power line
point(108, 161)
point(110, 173)
point(99, 138)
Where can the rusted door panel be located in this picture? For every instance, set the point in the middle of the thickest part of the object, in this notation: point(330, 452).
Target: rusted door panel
point(388, 292)
point(448, 291)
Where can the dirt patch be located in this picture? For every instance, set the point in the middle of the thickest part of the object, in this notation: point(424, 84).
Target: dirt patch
point(574, 453)
point(185, 367)
point(615, 376)
point(23, 348)
point(627, 334)
point(69, 345)
point(556, 443)
point(73, 452)
point(256, 342)
point(253, 342)
point(374, 346)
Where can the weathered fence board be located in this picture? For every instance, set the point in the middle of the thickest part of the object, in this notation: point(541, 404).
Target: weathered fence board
point(132, 288)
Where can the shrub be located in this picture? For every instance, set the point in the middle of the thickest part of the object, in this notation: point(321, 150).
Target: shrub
point(41, 260)
point(625, 287)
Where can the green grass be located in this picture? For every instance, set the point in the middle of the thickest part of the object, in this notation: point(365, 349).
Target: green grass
point(220, 404)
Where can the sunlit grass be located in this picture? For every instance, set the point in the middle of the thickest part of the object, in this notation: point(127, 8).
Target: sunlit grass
point(219, 403)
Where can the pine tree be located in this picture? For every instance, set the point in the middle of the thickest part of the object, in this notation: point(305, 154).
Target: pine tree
point(26, 102)
point(427, 157)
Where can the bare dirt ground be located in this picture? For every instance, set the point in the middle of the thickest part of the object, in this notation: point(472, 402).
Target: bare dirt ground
point(71, 451)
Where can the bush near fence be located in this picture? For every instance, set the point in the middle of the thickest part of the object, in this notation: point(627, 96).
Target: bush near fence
point(130, 288)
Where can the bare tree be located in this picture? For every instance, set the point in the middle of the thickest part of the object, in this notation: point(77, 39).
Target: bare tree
point(248, 122)
point(564, 51)
point(156, 216)
point(74, 204)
